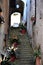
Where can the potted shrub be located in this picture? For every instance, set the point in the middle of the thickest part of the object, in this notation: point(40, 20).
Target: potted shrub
point(14, 36)
point(22, 29)
point(14, 42)
point(10, 58)
point(37, 56)
point(12, 55)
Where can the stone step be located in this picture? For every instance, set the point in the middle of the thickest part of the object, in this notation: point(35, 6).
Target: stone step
point(26, 47)
point(26, 55)
point(26, 62)
point(29, 63)
point(29, 52)
point(28, 59)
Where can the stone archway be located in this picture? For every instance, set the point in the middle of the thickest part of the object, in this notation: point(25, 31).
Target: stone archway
point(14, 8)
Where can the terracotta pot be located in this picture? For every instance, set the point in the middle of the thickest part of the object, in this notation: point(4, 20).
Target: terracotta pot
point(23, 31)
point(38, 61)
point(15, 44)
point(12, 59)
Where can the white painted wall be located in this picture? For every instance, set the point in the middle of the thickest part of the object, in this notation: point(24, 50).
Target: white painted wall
point(28, 16)
point(24, 11)
point(30, 13)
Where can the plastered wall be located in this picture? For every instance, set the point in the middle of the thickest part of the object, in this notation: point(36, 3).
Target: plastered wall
point(38, 28)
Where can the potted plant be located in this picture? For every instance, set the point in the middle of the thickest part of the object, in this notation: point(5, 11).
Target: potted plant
point(22, 29)
point(10, 57)
point(14, 42)
point(37, 56)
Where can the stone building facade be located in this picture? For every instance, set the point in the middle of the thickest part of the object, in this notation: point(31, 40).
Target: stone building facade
point(38, 28)
point(36, 31)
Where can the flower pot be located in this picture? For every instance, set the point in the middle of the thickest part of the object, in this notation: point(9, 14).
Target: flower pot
point(15, 44)
point(12, 59)
point(23, 31)
point(38, 61)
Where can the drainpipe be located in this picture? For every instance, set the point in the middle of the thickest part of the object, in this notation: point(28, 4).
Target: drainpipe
point(35, 14)
point(35, 10)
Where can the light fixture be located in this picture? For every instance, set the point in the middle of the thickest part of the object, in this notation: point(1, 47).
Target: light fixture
point(1, 20)
point(17, 6)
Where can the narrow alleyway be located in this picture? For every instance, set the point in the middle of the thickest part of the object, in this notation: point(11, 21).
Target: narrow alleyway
point(26, 52)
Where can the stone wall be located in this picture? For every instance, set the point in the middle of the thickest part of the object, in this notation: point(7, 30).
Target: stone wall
point(37, 31)
point(5, 7)
point(30, 13)
point(28, 17)
point(6, 14)
point(38, 28)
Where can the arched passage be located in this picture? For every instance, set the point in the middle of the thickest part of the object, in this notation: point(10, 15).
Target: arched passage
point(14, 8)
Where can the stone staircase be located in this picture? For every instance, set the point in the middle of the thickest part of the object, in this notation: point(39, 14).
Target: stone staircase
point(26, 52)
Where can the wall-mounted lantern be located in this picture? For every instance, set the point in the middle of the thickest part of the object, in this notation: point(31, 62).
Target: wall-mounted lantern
point(1, 18)
point(33, 18)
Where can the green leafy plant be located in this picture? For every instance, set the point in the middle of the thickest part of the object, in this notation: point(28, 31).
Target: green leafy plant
point(37, 52)
point(22, 26)
point(11, 41)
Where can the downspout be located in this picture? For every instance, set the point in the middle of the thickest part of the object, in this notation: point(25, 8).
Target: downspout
point(35, 11)
point(35, 14)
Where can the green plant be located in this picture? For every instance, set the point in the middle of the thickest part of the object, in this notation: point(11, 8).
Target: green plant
point(37, 52)
point(22, 26)
point(11, 41)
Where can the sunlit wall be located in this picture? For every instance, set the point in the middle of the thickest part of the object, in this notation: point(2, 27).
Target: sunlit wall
point(15, 19)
